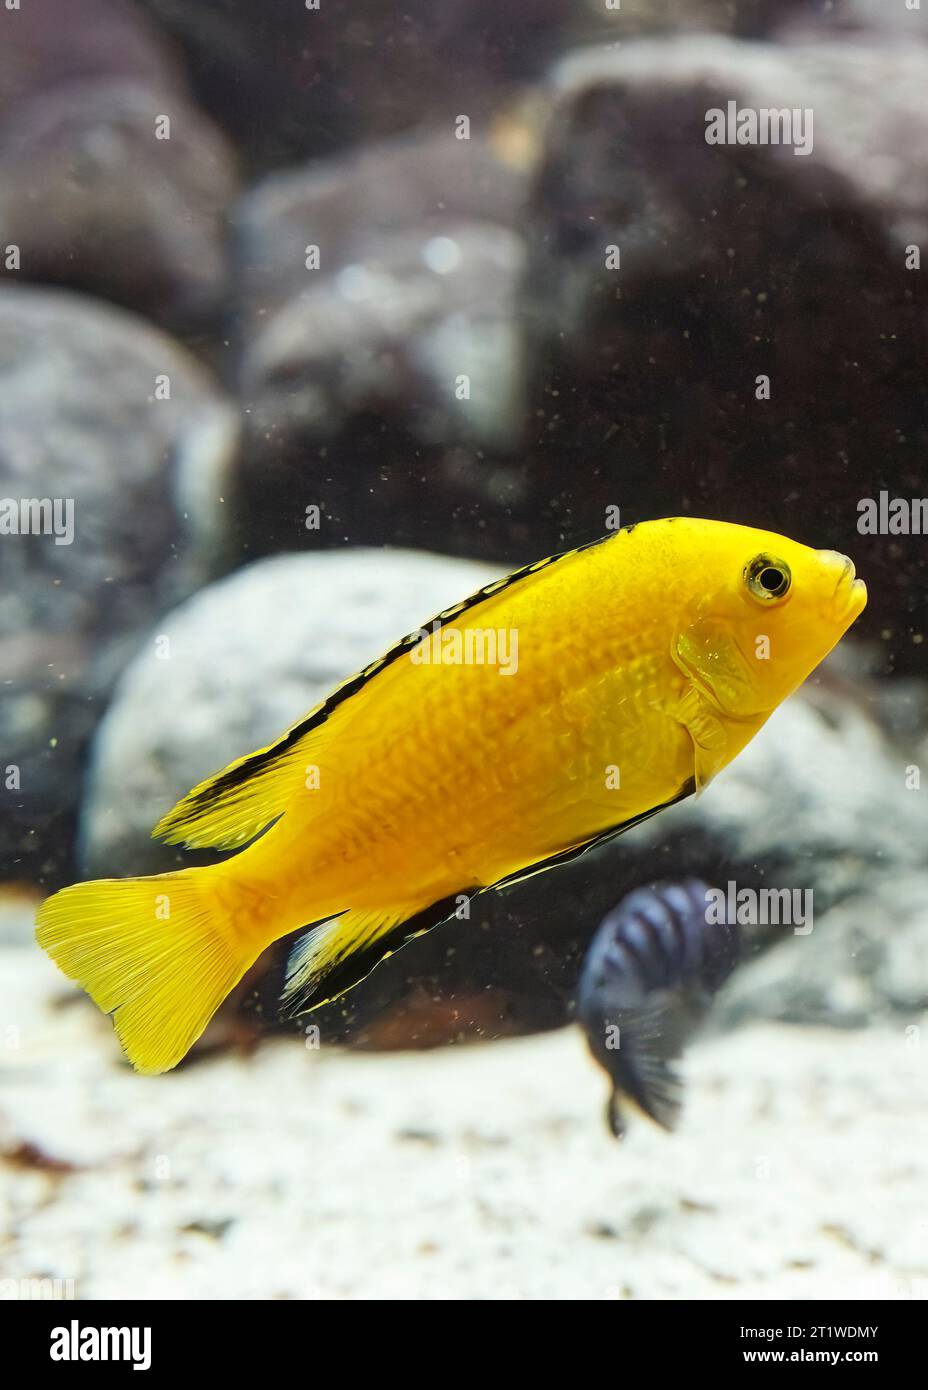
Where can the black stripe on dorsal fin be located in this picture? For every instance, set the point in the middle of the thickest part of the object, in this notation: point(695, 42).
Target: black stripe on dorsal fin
point(234, 805)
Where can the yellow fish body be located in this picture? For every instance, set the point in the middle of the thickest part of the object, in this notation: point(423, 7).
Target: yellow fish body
point(548, 711)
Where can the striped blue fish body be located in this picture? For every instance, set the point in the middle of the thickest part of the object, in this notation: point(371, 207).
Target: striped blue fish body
point(648, 978)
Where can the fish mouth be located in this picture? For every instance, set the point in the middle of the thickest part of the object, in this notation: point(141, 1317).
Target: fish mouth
point(849, 598)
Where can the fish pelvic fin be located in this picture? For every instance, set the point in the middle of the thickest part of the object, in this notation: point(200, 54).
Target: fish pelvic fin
point(334, 956)
point(159, 954)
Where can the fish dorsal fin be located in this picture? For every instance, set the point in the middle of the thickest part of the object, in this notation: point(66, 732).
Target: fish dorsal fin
point(233, 806)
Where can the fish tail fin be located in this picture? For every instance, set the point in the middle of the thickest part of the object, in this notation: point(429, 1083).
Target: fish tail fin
point(335, 955)
point(159, 954)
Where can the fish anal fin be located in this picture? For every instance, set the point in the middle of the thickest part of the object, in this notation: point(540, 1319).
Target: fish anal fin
point(334, 956)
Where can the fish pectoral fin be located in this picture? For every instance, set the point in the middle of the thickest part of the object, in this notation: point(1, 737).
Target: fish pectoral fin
point(335, 955)
point(705, 728)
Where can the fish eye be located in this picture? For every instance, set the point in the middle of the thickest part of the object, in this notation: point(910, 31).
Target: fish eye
point(767, 578)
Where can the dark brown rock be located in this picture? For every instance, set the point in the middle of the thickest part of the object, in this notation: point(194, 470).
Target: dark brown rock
point(736, 262)
point(88, 192)
point(289, 83)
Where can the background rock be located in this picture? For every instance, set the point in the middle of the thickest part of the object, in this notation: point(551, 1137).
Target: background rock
point(289, 83)
point(79, 421)
point(88, 193)
point(865, 961)
point(856, 17)
point(350, 371)
point(736, 261)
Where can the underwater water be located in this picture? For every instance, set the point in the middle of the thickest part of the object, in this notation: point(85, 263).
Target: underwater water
point(314, 322)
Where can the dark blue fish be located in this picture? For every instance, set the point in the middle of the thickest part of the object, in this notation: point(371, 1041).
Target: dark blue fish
point(648, 977)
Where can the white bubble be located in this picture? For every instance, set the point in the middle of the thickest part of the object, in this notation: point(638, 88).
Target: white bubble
point(441, 254)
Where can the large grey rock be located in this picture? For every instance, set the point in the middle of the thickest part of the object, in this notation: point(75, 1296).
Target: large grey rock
point(865, 99)
point(244, 659)
point(400, 306)
point(88, 193)
point(867, 959)
point(79, 422)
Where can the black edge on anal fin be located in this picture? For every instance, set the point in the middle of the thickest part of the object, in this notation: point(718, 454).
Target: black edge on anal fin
point(566, 856)
point(356, 967)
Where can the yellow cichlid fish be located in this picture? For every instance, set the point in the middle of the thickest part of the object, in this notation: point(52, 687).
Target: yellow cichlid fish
point(545, 713)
